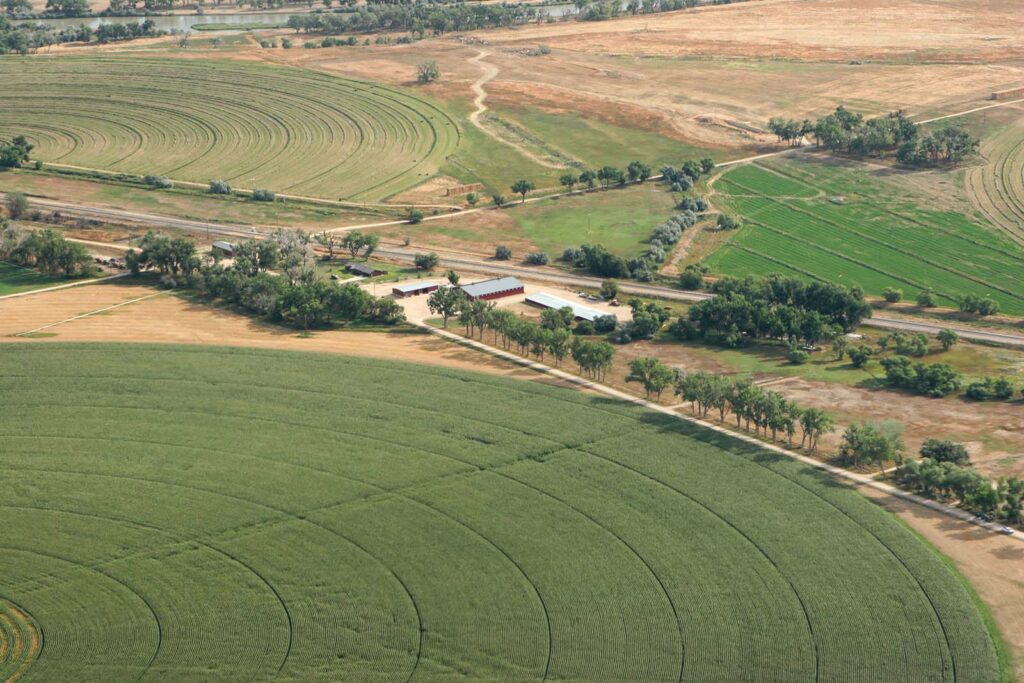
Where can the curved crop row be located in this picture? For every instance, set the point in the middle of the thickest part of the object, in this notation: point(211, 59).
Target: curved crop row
point(255, 126)
point(235, 515)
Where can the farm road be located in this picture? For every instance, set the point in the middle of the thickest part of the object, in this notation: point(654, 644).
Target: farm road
point(489, 266)
point(858, 480)
point(490, 71)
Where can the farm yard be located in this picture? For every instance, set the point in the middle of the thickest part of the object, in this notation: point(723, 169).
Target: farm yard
point(410, 538)
point(255, 126)
point(822, 220)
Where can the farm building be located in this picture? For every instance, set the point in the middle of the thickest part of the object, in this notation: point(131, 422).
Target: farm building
point(493, 289)
point(363, 269)
point(414, 289)
point(225, 248)
point(545, 300)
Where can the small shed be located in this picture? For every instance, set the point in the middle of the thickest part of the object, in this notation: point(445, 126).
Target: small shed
point(364, 269)
point(224, 248)
point(413, 289)
point(493, 289)
point(545, 300)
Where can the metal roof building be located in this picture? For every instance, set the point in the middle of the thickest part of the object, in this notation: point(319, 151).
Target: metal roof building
point(363, 269)
point(493, 289)
point(545, 300)
point(224, 247)
point(413, 289)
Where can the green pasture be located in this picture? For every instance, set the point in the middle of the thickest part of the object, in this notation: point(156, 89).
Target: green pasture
point(197, 514)
point(15, 279)
point(620, 219)
point(255, 126)
point(827, 222)
point(597, 143)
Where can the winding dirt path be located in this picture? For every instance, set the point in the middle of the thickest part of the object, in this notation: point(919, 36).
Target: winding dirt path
point(490, 71)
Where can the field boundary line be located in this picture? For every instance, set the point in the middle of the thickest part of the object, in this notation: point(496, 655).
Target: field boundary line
point(90, 313)
point(838, 472)
point(65, 286)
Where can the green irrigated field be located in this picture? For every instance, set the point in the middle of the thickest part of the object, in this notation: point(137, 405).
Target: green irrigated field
point(14, 279)
point(208, 513)
point(283, 129)
point(880, 236)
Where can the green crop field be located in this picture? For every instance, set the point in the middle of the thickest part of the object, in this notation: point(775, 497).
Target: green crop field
point(879, 235)
point(620, 219)
point(284, 129)
point(14, 279)
point(190, 513)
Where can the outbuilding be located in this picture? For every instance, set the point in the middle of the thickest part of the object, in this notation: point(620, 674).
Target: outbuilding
point(364, 269)
point(224, 248)
point(493, 289)
point(545, 300)
point(413, 289)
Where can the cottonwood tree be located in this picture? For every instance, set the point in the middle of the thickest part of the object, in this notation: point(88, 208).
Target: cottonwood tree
point(568, 181)
point(522, 188)
point(428, 71)
point(446, 302)
point(873, 443)
point(426, 261)
point(650, 373)
point(814, 422)
point(948, 338)
point(329, 241)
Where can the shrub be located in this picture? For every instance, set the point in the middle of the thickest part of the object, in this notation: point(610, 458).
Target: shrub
point(537, 258)
point(502, 253)
point(158, 181)
point(219, 187)
point(727, 222)
point(945, 451)
point(797, 356)
point(892, 295)
point(605, 323)
point(609, 289)
point(692, 276)
point(926, 298)
point(584, 328)
point(415, 216)
point(263, 196)
point(426, 261)
point(17, 205)
point(860, 355)
point(286, 43)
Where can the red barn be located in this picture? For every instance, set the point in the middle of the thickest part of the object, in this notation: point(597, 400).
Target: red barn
point(493, 289)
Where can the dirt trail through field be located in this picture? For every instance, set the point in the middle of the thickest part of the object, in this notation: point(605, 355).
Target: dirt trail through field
point(489, 73)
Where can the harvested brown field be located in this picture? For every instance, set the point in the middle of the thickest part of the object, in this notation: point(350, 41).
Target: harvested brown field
point(167, 318)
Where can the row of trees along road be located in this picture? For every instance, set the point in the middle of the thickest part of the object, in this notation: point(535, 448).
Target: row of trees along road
point(845, 132)
point(552, 335)
point(274, 278)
